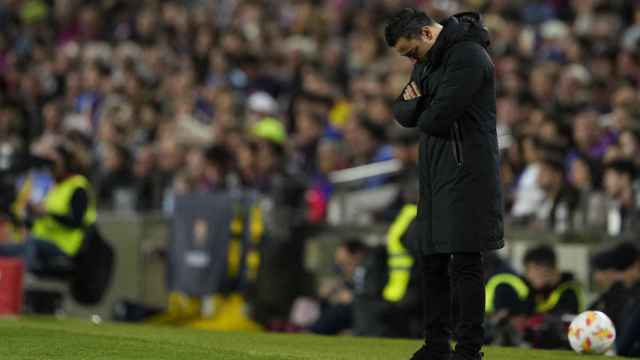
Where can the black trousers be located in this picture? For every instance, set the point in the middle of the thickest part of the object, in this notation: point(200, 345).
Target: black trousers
point(454, 279)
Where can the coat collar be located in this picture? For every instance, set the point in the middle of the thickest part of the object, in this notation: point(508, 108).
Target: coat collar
point(457, 28)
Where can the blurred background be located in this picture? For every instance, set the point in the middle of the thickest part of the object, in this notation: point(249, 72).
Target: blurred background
point(247, 172)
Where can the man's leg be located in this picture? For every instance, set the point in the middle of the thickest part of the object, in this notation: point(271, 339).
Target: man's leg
point(42, 255)
point(437, 302)
point(12, 250)
point(467, 276)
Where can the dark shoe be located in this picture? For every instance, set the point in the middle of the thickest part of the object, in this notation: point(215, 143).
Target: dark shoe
point(464, 356)
point(426, 354)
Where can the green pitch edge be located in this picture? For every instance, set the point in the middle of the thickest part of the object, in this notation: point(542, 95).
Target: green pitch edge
point(51, 339)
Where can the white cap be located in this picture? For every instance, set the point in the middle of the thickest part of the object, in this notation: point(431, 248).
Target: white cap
point(555, 30)
point(262, 102)
point(578, 72)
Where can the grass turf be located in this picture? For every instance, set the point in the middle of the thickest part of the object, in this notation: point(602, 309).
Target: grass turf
point(50, 339)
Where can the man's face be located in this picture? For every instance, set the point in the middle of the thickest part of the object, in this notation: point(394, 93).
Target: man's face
point(613, 182)
point(346, 261)
point(548, 178)
point(58, 170)
point(539, 276)
point(585, 131)
point(605, 278)
point(416, 48)
point(266, 158)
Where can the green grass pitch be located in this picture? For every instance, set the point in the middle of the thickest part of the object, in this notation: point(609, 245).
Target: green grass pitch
point(50, 339)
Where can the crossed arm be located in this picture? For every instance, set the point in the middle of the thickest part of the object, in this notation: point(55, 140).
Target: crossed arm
point(465, 68)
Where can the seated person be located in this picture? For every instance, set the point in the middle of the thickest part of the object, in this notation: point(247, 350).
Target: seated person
point(337, 300)
point(617, 273)
point(507, 293)
point(508, 303)
point(555, 292)
point(388, 300)
point(60, 221)
point(560, 199)
point(378, 294)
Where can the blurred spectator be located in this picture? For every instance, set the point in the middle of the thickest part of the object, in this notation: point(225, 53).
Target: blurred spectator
point(509, 301)
point(144, 183)
point(260, 105)
point(590, 140)
point(60, 220)
point(216, 168)
point(283, 277)
point(528, 195)
point(320, 189)
point(115, 182)
point(592, 202)
point(405, 143)
point(555, 292)
point(388, 299)
point(337, 299)
point(366, 141)
point(623, 216)
point(630, 146)
point(309, 131)
point(559, 206)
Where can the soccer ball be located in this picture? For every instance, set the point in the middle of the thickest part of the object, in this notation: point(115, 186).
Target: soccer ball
point(592, 332)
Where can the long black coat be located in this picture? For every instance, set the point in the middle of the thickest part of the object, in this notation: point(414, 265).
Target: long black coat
point(460, 207)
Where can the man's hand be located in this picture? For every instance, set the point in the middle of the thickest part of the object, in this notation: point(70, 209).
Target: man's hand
point(345, 296)
point(411, 91)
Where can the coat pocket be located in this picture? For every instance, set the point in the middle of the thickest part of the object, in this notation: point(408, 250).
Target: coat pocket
point(456, 144)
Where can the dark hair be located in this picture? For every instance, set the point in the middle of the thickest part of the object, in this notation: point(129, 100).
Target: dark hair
point(620, 257)
point(543, 255)
point(123, 153)
point(66, 154)
point(218, 156)
point(554, 160)
point(408, 23)
point(354, 246)
point(377, 131)
point(622, 166)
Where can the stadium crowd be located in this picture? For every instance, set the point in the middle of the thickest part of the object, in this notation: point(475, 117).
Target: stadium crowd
point(158, 98)
point(143, 89)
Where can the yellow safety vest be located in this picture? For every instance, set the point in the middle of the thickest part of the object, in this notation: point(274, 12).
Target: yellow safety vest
point(58, 202)
point(234, 251)
point(514, 281)
point(19, 206)
point(399, 262)
point(547, 305)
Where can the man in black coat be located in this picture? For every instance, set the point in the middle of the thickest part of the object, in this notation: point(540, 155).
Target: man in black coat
point(451, 101)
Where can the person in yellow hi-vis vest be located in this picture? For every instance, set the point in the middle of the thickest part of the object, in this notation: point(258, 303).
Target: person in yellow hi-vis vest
point(402, 290)
point(61, 220)
point(555, 292)
point(399, 260)
point(388, 303)
point(508, 303)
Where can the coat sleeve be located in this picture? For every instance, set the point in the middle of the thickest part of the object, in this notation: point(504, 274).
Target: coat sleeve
point(79, 204)
point(463, 77)
point(407, 112)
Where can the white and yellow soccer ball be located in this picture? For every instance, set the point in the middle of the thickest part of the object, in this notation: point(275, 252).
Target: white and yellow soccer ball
point(592, 332)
